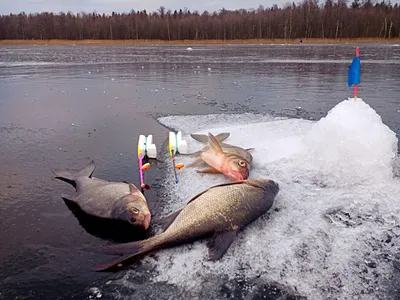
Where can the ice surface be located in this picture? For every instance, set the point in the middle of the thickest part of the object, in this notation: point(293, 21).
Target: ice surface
point(333, 232)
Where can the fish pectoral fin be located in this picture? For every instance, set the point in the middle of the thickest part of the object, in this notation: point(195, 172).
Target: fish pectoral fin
point(209, 170)
point(220, 243)
point(68, 197)
point(133, 189)
point(165, 222)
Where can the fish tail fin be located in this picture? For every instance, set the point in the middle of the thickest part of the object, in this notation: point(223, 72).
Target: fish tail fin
point(127, 250)
point(203, 138)
point(111, 264)
point(222, 136)
point(70, 176)
point(214, 145)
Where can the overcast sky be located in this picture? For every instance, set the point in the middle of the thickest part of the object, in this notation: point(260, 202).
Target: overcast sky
point(107, 6)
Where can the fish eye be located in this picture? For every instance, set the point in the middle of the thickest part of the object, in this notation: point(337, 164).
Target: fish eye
point(135, 211)
point(242, 163)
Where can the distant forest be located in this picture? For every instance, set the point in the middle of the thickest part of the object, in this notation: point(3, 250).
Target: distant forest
point(306, 19)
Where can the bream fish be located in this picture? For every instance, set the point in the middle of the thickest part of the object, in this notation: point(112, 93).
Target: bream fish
point(227, 148)
point(219, 212)
point(233, 166)
point(106, 199)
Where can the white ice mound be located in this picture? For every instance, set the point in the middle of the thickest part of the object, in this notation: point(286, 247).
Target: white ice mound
point(350, 145)
point(332, 233)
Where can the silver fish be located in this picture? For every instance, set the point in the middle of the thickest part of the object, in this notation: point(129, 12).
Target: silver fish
point(106, 199)
point(219, 212)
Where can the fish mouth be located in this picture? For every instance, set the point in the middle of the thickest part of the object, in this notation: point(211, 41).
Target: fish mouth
point(146, 221)
point(237, 176)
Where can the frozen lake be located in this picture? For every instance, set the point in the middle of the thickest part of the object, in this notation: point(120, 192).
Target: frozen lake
point(334, 230)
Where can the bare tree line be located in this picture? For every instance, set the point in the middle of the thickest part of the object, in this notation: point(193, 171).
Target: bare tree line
point(306, 19)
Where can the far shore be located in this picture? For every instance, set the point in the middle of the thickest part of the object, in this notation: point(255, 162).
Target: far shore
point(197, 42)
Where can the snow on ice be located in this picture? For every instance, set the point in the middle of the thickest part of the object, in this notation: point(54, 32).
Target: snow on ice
point(333, 232)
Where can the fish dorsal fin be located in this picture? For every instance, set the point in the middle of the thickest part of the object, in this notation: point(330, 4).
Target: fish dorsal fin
point(132, 188)
point(87, 171)
point(218, 185)
point(214, 144)
point(249, 149)
point(220, 242)
point(165, 222)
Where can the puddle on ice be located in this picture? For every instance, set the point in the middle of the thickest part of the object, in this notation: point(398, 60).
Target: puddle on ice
point(333, 232)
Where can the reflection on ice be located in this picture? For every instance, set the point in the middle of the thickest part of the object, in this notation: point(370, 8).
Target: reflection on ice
point(334, 229)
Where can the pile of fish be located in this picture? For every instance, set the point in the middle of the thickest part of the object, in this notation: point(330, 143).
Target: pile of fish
point(217, 213)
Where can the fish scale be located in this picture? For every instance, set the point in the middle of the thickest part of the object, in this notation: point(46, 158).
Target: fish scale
point(106, 199)
point(221, 211)
point(205, 206)
point(88, 201)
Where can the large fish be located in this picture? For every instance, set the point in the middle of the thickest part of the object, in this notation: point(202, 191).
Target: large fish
point(227, 148)
point(218, 212)
point(233, 166)
point(106, 199)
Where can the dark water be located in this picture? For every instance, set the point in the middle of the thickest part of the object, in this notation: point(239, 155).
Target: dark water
point(61, 106)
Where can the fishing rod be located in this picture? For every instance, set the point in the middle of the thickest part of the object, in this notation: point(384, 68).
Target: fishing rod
point(176, 144)
point(146, 148)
